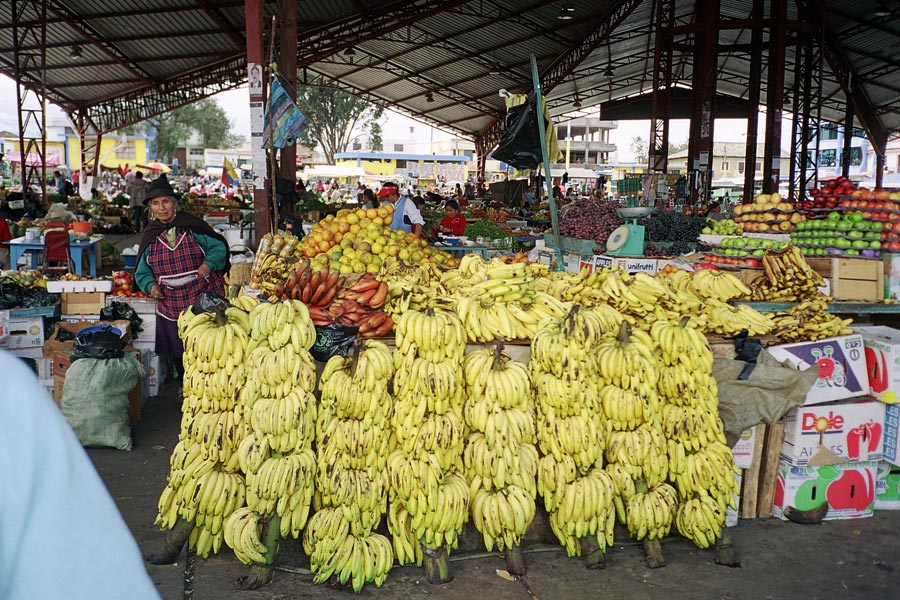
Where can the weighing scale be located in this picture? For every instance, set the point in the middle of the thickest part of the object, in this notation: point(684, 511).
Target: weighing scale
point(628, 239)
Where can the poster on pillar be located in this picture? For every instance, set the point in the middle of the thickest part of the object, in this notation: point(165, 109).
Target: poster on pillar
point(257, 124)
point(255, 79)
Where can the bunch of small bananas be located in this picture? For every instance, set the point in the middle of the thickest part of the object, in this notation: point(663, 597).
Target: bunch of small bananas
point(636, 447)
point(353, 440)
point(787, 278)
point(701, 465)
point(277, 455)
point(577, 493)
point(718, 285)
point(729, 320)
point(809, 320)
point(500, 457)
point(429, 495)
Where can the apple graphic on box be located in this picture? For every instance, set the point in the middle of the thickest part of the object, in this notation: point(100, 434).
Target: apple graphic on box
point(853, 490)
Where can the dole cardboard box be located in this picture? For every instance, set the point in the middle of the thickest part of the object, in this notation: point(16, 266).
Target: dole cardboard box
point(882, 350)
point(852, 430)
point(841, 362)
point(887, 488)
point(848, 488)
point(892, 433)
point(743, 449)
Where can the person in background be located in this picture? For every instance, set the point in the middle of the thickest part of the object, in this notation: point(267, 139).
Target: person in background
point(5, 236)
point(529, 195)
point(180, 257)
point(458, 193)
point(59, 182)
point(61, 534)
point(137, 191)
point(715, 211)
point(469, 191)
point(406, 216)
point(453, 222)
point(370, 200)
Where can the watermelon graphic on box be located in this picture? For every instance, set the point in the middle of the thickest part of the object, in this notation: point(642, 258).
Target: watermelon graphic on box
point(841, 363)
point(849, 489)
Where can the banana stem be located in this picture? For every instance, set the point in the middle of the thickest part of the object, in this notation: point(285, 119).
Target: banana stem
point(437, 567)
point(591, 553)
point(498, 350)
point(726, 553)
point(515, 561)
point(684, 321)
point(261, 574)
point(429, 312)
point(221, 319)
point(354, 356)
point(172, 544)
point(624, 332)
point(652, 548)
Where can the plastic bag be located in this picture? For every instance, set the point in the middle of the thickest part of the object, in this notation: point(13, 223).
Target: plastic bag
point(520, 144)
point(208, 303)
point(748, 351)
point(119, 311)
point(102, 342)
point(95, 400)
point(333, 340)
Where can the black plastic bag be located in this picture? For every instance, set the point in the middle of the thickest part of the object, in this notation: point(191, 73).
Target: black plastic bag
point(119, 311)
point(101, 342)
point(35, 297)
point(520, 144)
point(208, 302)
point(9, 295)
point(333, 340)
point(748, 351)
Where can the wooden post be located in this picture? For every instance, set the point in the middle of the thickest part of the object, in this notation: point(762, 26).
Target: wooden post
point(437, 567)
point(774, 440)
point(750, 480)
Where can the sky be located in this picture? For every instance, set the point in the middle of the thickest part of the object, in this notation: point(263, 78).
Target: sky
point(235, 104)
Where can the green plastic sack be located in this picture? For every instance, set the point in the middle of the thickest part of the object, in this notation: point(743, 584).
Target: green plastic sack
point(95, 400)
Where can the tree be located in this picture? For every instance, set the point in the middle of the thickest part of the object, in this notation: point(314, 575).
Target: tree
point(170, 134)
point(677, 146)
point(376, 143)
point(638, 147)
point(334, 116)
point(205, 117)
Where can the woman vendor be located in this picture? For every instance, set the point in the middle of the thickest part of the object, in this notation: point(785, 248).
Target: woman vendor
point(180, 257)
point(453, 223)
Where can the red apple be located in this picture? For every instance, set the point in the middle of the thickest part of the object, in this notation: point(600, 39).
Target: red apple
point(894, 246)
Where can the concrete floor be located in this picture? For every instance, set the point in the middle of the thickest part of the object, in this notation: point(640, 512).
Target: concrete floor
point(837, 560)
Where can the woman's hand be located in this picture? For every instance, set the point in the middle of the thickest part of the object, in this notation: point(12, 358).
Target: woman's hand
point(156, 292)
point(204, 271)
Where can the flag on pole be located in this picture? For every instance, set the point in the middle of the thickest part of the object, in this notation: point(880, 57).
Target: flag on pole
point(284, 121)
point(229, 175)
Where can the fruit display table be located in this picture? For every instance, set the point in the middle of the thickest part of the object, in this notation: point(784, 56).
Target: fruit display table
point(458, 251)
point(18, 247)
point(838, 308)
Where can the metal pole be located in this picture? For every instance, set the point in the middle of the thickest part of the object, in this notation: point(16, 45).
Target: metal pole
point(542, 131)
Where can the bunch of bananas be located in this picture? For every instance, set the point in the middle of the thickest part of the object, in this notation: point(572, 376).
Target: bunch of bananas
point(245, 302)
point(500, 458)
point(577, 493)
point(719, 285)
point(353, 437)
point(426, 470)
point(636, 447)
point(275, 259)
point(809, 320)
point(277, 456)
point(413, 287)
point(701, 465)
point(787, 278)
point(729, 320)
point(204, 485)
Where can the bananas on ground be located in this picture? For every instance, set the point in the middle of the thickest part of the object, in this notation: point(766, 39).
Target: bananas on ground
point(205, 485)
point(426, 471)
point(700, 464)
point(577, 492)
point(500, 459)
point(353, 442)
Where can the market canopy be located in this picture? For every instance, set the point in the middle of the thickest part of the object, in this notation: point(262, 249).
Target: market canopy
point(441, 61)
point(328, 171)
point(32, 159)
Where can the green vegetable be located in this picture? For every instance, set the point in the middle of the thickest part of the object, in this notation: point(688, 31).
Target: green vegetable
point(487, 229)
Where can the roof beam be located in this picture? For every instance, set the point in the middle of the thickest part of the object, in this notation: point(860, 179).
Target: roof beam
point(864, 24)
point(213, 12)
point(119, 14)
point(144, 59)
point(123, 38)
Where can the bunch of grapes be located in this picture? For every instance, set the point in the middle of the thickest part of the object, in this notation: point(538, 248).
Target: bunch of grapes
point(590, 220)
point(673, 227)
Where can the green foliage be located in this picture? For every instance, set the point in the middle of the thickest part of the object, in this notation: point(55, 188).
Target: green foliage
point(376, 143)
point(205, 117)
point(677, 146)
point(333, 116)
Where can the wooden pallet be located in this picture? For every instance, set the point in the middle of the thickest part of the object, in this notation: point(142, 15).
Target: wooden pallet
point(758, 482)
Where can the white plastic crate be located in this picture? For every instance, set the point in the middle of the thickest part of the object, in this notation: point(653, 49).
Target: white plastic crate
point(88, 285)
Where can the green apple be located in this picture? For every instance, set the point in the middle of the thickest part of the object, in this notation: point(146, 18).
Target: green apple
point(842, 243)
point(851, 252)
point(875, 245)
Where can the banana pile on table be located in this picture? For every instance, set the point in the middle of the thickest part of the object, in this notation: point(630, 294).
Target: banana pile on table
point(787, 278)
point(635, 447)
point(809, 320)
point(577, 492)
point(353, 440)
point(429, 495)
point(501, 458)
point(277, 455)
point(701, 464)
point(205, 486)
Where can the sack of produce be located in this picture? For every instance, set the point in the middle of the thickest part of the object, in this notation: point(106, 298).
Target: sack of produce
point(95, 400)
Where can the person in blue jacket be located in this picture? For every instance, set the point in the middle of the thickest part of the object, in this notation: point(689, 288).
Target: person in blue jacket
point(179, 258)
point(406, 214)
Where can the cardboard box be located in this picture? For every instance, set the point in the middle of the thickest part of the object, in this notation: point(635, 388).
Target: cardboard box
point(848, 488)
point(852, 430)
point(34, 354)
point(148, 331)
point(44, 368)
point(77, 318)
point(4, 325)
point(628, 263)
point(892, 434)
point(882, 350)
point(891, 275)
point(47, 384)
point(24, 333)
point(83, 303)
point(81, 285)
point(887, 488)
point(743, 449)
point(841, 362)
point(156, 374)
point(858, 279)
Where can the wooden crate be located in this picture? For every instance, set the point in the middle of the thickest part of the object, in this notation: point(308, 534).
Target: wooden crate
point(856, 279)
point(758, 482)
point(83, 303)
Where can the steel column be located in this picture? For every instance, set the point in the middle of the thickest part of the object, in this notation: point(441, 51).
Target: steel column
point(32, 121)
point(774, 96)
point(880, 153)
point(848, 138)
point(756, 47)
point(662, 80)
point(703, 111)
point(797, 112)
point(287, 64)
point(253, 18)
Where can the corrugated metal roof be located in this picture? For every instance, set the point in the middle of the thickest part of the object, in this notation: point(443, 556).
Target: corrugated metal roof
point(405, 48)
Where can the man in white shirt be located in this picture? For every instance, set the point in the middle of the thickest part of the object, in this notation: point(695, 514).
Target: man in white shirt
point(406, 216)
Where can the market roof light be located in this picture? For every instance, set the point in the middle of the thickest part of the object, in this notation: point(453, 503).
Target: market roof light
point(76, 52)
point(350, 52)
point(882, 10)
point(566, 12)
point(429, 97)
point(577, 103)
point(495, 68)
point(608, 72)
